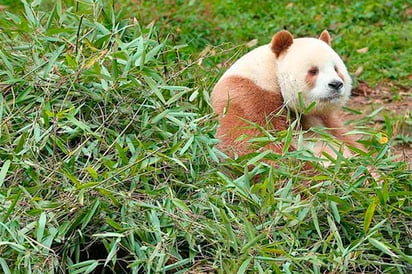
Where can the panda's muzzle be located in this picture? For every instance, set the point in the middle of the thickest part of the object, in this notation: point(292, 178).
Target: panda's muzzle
point(335, 85)
point(335, 91)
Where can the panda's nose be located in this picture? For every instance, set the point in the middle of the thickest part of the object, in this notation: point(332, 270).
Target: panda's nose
point(335, 85)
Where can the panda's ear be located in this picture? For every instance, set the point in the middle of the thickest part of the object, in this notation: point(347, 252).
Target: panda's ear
point(281, 41)
point(325, 37)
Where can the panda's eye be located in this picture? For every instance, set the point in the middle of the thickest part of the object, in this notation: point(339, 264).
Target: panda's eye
point(313, 71)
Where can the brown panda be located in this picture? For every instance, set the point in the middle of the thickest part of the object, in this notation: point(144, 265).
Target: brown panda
point(261, 84)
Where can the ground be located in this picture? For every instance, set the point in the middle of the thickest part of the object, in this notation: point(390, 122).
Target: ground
point(367, 99)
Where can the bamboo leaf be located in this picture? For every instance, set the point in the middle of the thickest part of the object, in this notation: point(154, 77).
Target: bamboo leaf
point(229, 230)
point(112, 252)
point(4, 266)
point(52, 60)
point(244, 266)
point(17, 247)
point(89, 215)
point(369, 213)
point(3, 171)
point(382, 247)
point(252, 242)
point(316, 221)
point(84, 267)
point(41, 225)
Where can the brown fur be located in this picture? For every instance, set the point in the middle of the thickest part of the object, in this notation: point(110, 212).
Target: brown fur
point(281, 41)
point(325, 37)
point(236, 99)
point(310, 80)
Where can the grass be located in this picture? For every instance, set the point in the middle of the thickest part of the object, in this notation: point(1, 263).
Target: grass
point(106, 144)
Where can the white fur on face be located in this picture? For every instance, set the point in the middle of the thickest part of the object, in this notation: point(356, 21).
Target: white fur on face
point(312, 67)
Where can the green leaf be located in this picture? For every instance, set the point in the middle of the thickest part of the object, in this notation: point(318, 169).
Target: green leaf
point(180, 204)
point(231, 240)
point(4, 266)
point(17, 247)
point(8, 64)
point(154, 88)
point(41, 225)
point(315, 221)
point(87, 185)
point(177, 264)
point(52, 15)
point(382, 247)
point(369, 213)
point(114, 224)
point(79, 124)
point(252, 242)
point(90, 213)
point(52, 61)
point(153, 52)
point(92, 172)
point(29, 13)
point(112, 252)
point(187, 145)
point(1, 114)
point(84, 267)
point(258, 157)
point(244, 266)
point(289, 136)
point(13, 205)
point(335, 211)
point(115, 69)
point(108, 235)
point(3, 171)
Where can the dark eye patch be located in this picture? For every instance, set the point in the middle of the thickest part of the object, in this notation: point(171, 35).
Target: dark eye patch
point(313, 71)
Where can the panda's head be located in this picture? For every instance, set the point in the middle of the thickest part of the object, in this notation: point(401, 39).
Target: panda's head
point(311, 67)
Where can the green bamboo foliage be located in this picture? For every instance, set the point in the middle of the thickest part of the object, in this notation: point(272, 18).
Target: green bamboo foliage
point(108, 164)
